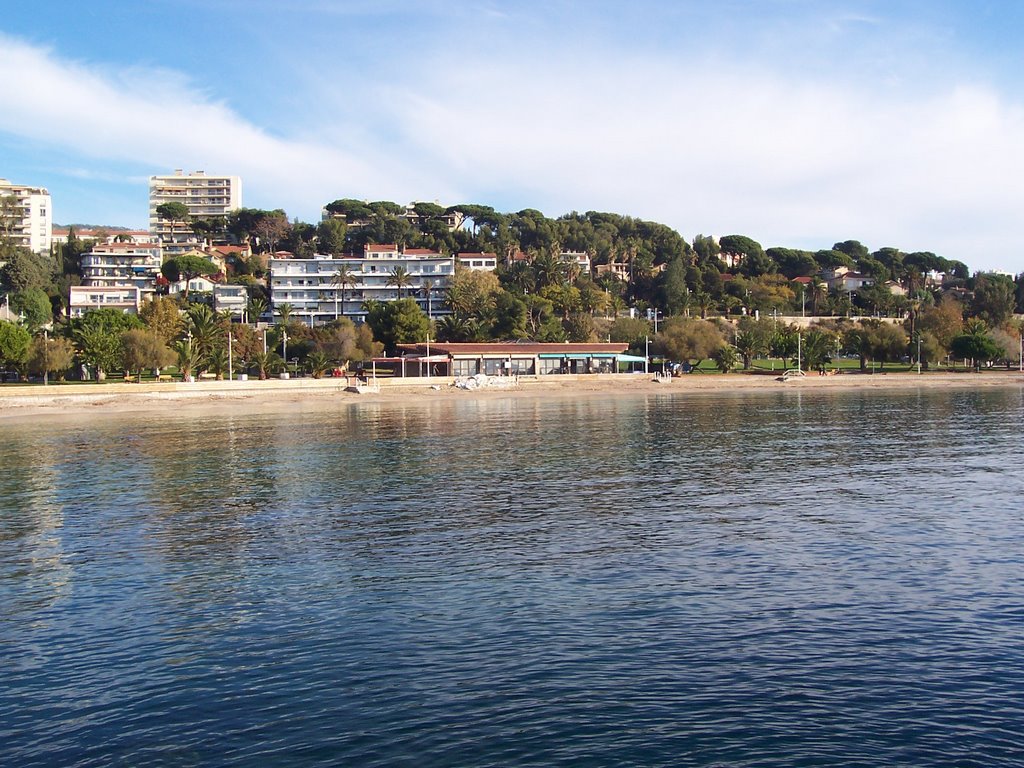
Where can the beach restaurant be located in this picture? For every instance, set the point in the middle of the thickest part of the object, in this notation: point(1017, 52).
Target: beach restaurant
point(510, 358)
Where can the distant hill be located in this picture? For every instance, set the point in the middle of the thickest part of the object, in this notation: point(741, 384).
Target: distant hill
point(107, 227)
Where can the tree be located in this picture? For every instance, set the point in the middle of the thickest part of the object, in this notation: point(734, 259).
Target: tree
point(993, 299)
point(174, 213)
point(35, 305)
point(97, 336)
point(142, 349)
point(890, 343)
point(270, 227)
point(330, 236)
point(725, 358)
point(399, 278)
point(579, 327)
point(473, 294)
point(49, 355)
point(817, 348)
point(14, 344)
point(688, 340)
point(188, 357)
point(976, 345)
point(337, 341)
point(397, 322)
point(24, 270)
point(740, 244)
point(187, 267)
point(162, 315)
point(510, 317)
point(343, 277)
point(753, 338)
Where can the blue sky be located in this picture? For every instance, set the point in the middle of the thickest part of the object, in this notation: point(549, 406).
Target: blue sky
point(796, 122)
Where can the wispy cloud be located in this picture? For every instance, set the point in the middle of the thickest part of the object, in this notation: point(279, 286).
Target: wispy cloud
point(159, 118)
point(705, 138)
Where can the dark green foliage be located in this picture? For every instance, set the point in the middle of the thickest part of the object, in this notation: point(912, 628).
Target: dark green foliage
point(994, 298)
point(397, 322)
point(977, 346)
point(25, 270)
point(34, 305)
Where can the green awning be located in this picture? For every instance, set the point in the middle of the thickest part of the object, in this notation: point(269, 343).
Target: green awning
point(630, 359)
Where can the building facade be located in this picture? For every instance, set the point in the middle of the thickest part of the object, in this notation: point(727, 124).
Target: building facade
point(84, 297)
point(26, 216)
point(123, 265)
point(313, 289)
point(205, 196)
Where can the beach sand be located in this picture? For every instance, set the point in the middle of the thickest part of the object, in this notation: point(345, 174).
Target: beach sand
point(31, 402)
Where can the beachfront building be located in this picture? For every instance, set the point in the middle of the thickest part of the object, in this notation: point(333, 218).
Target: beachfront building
point(315, 290)
point(507, 359)
point(205, 196)
point(86, 297)
point(119, 265)
point(26, 216)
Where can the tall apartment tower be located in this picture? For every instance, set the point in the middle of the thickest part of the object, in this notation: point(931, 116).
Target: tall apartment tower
point(204, 195)
point(26, 216)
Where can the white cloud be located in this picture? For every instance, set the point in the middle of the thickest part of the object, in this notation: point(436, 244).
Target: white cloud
point(734, 149)
point(158, 118)
point(696, 141)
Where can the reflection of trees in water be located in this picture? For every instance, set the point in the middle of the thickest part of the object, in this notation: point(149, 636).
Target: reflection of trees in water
point(34, 570)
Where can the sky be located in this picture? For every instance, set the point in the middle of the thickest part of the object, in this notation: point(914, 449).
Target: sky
point(799, 123)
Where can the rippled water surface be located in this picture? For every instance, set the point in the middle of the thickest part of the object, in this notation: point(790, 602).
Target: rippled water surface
point(773, 579)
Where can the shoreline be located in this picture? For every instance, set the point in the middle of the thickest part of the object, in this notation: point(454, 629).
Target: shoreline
point(112, 399)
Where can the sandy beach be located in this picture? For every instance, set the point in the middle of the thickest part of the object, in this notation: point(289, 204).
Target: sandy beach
point(21, 402)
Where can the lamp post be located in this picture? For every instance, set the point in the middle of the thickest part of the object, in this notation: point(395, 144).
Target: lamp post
point(231, 370)
point(647, 353)
point(918, 354)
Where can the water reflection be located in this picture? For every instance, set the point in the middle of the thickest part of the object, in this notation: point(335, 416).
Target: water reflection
point(519, 581)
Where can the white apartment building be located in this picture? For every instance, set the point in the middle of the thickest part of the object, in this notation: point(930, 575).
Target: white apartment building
point(316, 297)
point(204, 195)
point(26, 216)
point(122, 265)
point(478, 262)
point(84, 297)
point(580, 259)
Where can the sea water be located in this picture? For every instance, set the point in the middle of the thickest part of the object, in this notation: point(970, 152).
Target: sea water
point(782, 578)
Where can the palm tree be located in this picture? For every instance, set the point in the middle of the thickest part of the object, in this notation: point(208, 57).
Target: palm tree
point(203, 328)
point(343, 277)
point(284, 311)
point(318, 363)
point(399, 278)
point(189, 358)
point(426, 287)
point(548, 270)
point(257, 306)
point(818, 291)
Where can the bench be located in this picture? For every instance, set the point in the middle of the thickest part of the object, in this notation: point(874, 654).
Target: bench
point(165, 377)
